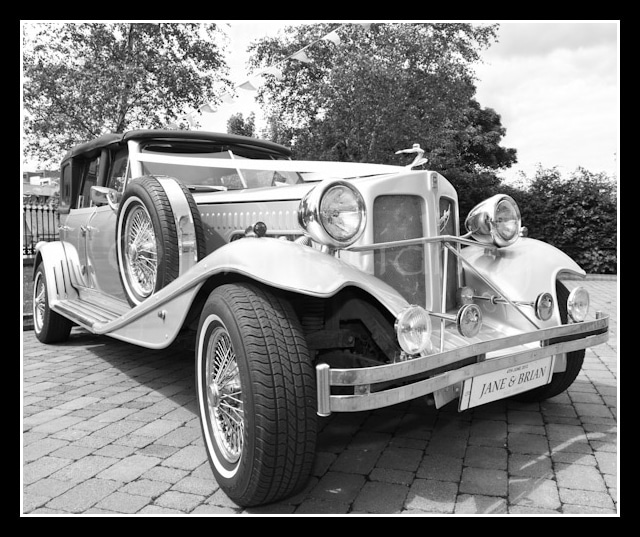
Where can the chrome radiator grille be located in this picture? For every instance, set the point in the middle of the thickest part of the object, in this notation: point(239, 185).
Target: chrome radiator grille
point(447, 226)
point(395, 218)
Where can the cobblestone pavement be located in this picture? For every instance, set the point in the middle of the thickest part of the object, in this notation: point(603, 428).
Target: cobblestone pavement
point(109, 428)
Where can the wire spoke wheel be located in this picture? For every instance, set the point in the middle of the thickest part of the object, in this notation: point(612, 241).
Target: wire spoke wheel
point(256, 394)
point(224, 395)
point(49, 326)
point(140, 252)
point(39, 302)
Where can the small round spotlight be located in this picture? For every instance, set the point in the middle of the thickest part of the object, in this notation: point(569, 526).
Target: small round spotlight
point(413, 330)
point(578, 304)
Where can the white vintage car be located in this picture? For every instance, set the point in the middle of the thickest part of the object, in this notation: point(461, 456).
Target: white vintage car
point(308, 288)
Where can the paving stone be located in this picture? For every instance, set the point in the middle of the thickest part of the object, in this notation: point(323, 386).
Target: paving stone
point(130, 468)
point(179, 501)
point(534, 493)
point(338, 487)
point(430, 496)
point(380, 498)
point(579, 477)
point(88, 493)
point(316, 506)
point(400, 459)
point(530, 466)
point(486, 457)
point(355, 461)
point(440, 467)
point(120, 502)
point(484, 481)
point(528, 443)
point(477, 504)
point(586, 498)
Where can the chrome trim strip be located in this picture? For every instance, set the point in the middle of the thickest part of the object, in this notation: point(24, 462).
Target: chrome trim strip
point(424, 364)
point(370, 401)
point(181, 211)
point(419, 240)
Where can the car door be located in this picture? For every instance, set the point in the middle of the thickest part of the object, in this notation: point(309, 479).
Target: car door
point(101, 228)
point(75, 221)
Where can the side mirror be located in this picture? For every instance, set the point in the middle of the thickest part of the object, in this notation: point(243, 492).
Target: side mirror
point(102, 195)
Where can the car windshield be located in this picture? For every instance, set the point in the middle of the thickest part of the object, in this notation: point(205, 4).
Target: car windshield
point(226, 171)
point(207, 174)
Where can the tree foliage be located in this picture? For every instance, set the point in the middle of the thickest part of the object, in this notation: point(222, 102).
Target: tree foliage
point(83, 80)
point(577, 214)
point(237, 124)
point(383, 89)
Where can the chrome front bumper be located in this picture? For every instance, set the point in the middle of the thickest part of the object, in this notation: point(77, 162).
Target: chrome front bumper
point(367, 395)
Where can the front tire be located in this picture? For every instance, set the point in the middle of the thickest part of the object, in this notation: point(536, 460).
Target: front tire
point(256, 394)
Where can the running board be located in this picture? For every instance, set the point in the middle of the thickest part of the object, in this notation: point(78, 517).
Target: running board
point(92, 308)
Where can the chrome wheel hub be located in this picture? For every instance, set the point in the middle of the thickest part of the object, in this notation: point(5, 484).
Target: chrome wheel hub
point(141, 257)
point(224, 396)
point(39, 303)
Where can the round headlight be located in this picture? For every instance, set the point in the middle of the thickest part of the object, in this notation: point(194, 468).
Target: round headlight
point(578, 304)
point(495, 221)
point(506, 221)
point(341, 212)
point(333, 213)
point(413, 330)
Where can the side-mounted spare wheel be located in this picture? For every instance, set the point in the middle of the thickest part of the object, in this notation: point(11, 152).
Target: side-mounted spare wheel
point(256, 394)
point(152, 236)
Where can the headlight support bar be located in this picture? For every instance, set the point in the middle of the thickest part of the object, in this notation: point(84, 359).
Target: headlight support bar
point(491, 284)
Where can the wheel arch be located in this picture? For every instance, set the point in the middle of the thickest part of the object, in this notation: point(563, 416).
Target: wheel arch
point(522, 271)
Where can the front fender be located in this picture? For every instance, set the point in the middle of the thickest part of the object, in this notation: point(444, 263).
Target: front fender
point(521, 271)
point(293, 267)
point(277, 263)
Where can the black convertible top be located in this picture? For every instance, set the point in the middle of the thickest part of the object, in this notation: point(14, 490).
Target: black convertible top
point(108, 140)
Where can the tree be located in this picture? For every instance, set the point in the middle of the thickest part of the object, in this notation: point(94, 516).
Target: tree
point(238, 125)
point(83, 80)
point(577, 214)
point(384, 88)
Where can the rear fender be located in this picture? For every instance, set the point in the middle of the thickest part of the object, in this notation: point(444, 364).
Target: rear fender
point(59, 262)
point(521, 271)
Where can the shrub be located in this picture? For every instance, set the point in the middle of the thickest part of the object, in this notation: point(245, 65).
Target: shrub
point(578, 215)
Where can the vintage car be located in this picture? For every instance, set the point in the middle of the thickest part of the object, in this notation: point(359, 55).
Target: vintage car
point(307, 288)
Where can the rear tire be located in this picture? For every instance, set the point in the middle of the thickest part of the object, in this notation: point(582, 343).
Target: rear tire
point(562, 380)
point(256, 394)
point(49, 326)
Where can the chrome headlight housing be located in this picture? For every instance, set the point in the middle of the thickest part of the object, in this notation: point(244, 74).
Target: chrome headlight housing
point(413, 330)
point(333, 213)
point(495, 221)
point(578, 304)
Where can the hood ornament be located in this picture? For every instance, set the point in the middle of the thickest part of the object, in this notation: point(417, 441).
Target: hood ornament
point(418, 151)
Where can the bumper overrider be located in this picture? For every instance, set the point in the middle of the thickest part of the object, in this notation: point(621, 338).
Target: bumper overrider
point(528, 358)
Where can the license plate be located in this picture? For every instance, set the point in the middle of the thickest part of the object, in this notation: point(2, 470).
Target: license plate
point(505, 382)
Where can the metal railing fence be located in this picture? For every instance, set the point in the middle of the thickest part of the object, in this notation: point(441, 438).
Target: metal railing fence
point(40, 223)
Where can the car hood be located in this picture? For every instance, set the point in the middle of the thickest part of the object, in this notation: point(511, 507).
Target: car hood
point(315, 172)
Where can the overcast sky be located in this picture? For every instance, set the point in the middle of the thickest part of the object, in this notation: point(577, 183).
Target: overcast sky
point(555, 85)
